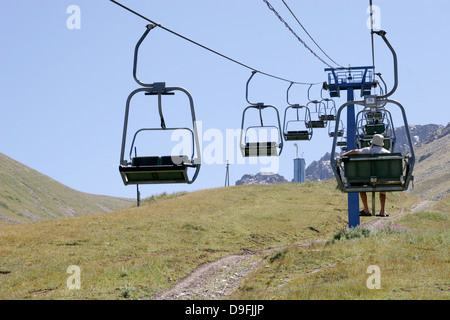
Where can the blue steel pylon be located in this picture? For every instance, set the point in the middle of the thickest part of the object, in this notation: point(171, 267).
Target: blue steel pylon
point(350, 79)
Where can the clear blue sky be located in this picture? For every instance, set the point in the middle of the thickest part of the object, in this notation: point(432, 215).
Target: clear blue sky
point(63, 91)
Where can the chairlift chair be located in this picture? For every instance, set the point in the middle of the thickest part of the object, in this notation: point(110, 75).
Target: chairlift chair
point(373, 173)
point(291, 134)
point(319, 111)
point(260, 148)
point(380, 172)
point(342, 139)
point(330, 108)
point(320, 121)
point(339, 132)
point(157, 169)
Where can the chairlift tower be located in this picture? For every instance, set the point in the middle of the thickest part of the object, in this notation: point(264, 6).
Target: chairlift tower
point(350, 79)
point(299, 167)
point(227, 175)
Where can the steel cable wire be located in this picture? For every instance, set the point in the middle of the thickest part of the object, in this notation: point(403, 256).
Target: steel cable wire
point(296, 35)
point(211, 50)
point(304, 29)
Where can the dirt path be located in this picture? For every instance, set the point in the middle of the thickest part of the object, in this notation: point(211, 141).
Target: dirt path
point(212, 280)
point(376, 223)
point(218, 279)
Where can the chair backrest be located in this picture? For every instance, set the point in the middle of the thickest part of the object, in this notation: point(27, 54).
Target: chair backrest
point(365, 142)
point(374, 169)
point(260, 149)
point(371, 129)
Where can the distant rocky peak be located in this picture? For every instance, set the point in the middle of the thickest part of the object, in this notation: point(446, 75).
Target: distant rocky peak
point(261, 178)
point(320, 170)
point(419, 134)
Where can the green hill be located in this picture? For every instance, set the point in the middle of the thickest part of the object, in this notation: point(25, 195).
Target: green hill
point(432, 171)
point(139, 251)
point(27, 195)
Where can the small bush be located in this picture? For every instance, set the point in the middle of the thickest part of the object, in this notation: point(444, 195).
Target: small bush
point(350, 233)
point(125, 292)
point(4, 205)
point(123, 273)
point(277, 256)
point(189, 226)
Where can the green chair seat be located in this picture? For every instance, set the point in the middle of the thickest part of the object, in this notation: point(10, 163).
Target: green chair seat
point(155, 170)
point(297, 135)
point(375, 170)
point(315, 124)
point(371, 129)
point(260, 149)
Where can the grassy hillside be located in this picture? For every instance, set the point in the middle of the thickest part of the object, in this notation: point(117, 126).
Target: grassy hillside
point(136, 252)
point(432, 170)
point(411, 255)
point(27, 195)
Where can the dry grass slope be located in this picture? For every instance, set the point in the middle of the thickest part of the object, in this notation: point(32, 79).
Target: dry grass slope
point(411, 256)
point(137, 252)
point(432, 170)
point(27, 195)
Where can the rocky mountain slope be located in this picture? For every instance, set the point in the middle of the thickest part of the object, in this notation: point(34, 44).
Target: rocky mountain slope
point(260, 178)
point(432, 168)
point(320, 170)
point(27, 195)
point(419, 133)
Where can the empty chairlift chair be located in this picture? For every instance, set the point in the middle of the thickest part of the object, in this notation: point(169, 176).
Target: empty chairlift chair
point(329, 112)
point(320, 119)
point(260, 148)
point(297, 128)
point(158, 169)
point(339, 131)
point(319, 108)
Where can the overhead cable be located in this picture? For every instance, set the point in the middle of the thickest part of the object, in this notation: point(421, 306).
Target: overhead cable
point(304, 29)
point(295, 34)
point(209, 49)
point(371, 33)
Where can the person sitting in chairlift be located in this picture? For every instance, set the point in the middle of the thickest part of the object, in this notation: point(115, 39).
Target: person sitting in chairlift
point(376, 146)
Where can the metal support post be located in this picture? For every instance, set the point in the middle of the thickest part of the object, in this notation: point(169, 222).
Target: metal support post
point(353, 198)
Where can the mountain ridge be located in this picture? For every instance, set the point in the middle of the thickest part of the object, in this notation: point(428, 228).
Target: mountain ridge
point(432, 170)
point(27, 195)
point(260, 178)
